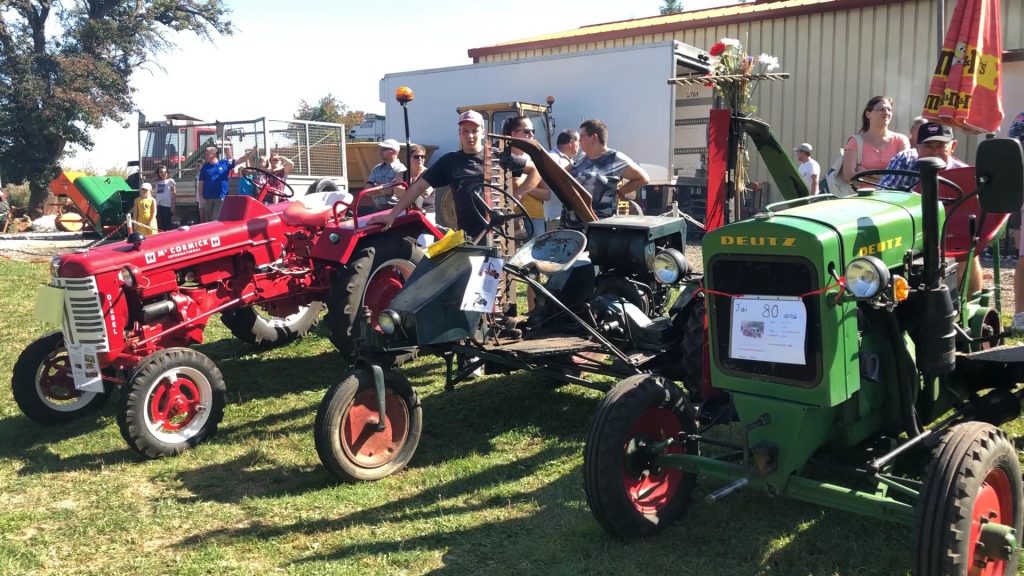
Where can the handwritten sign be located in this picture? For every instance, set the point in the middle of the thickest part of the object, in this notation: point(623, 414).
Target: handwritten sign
point(768, 329)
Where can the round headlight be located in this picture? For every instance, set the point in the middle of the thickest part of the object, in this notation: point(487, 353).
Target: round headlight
point(55, 266)
point(669, 266)
point(126, 276)
point(866, 277)
point(388, 321)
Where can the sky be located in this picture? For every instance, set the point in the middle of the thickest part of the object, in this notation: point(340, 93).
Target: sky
point(286, 52)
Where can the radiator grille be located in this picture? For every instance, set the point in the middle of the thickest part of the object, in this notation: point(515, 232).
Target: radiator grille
point(83, 313)
point(774, 276)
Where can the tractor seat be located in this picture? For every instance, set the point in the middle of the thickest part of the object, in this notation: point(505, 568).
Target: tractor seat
point(958, 240)
point(313, 210)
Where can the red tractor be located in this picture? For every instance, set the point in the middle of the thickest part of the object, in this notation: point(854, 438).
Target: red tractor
point(130, 310)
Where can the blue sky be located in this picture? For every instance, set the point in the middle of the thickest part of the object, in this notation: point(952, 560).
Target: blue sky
point(284, 52)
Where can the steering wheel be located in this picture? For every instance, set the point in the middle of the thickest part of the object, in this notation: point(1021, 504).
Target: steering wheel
point(916, 179)
point(263, 179)
point(498, 219)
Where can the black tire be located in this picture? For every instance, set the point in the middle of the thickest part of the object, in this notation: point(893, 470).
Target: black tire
point(385, 259)
point(42, 384)
point(975, 470)
point(322, 185)
point(687, 360)
point(348, 415)
point(186, 388)
point(627, 493)
point(265, 332)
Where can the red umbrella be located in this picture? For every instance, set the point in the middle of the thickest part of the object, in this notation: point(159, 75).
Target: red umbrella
point(965, 90)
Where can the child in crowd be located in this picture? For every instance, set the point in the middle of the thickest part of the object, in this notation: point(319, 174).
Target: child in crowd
point(165, 189)
point(144, 211)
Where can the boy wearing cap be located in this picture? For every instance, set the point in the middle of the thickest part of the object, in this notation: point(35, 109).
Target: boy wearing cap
point(462, 170)
point(390, 170)
point(809, 169)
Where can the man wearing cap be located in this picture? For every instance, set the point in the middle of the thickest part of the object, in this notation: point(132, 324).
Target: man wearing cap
point(462, 170)
point(809, 169)
point(390, 170)
point(933, 141)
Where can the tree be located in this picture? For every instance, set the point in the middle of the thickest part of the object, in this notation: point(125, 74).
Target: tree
point(329, 109)
point(670, 7)
point(65, 68)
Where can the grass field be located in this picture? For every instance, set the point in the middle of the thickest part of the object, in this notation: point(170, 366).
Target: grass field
point(495, 487)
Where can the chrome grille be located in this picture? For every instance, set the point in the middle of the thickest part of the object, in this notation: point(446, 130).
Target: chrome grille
point(83, 313)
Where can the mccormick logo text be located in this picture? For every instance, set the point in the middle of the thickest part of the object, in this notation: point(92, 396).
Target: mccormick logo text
point(758, 241)
point(183, 249)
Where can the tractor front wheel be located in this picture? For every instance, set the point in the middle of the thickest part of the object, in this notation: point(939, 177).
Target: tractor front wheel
point(377, 274)
point(629, 493)
point(970, 502)
point(264, 331)
point(44, 388)
point(350, 438)
point(175, 401)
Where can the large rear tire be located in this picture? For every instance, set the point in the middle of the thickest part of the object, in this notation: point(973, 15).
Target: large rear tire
point(974, 479)
point(265, 331)
point(43, 387)
point(346, 430)
point(175, 401)
point(629, 494)
point(373, 278)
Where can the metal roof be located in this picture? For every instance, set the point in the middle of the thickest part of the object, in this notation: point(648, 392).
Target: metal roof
point(723, 15)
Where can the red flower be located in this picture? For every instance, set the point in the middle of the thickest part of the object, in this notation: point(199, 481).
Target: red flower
point(717, 48)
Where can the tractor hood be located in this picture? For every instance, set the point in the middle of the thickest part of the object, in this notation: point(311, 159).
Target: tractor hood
point(251, 230)
point(880, 224)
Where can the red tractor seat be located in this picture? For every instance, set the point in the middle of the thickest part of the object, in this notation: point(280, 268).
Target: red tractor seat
point(958, 240)
point(298, 214)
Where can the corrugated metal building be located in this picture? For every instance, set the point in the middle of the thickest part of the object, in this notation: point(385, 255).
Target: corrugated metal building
point(839, 53)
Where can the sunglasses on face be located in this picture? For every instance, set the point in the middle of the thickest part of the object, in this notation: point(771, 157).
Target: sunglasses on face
point(881, 109)
point(419, 156)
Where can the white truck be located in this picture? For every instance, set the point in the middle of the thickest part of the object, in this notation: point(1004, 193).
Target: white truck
point(662, 127)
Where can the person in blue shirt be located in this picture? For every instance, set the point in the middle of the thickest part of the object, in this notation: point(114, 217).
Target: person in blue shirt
point(213, 181)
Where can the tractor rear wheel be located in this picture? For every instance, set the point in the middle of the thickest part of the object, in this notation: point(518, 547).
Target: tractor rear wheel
point(175, 401)
point(347, 435)
point(373, 278)
point(974, 481)
point(264, 331)
point(628, 492)
point(43, 386)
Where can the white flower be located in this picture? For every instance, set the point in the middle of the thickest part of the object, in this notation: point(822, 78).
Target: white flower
point(730, 42)
point(770, 62)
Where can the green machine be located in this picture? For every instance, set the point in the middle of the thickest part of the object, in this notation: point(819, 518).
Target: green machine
point(840, 347)
point(110, 198)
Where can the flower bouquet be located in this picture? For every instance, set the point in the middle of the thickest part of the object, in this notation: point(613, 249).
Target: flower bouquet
point(736, 74)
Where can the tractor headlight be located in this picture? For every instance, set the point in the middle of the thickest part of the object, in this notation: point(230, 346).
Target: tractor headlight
point(669, 265)
point(126, 276)
point(388, 320)
point(55, 267)
point(866, 277)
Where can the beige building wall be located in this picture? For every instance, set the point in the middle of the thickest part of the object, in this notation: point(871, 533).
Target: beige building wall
point(837, 61)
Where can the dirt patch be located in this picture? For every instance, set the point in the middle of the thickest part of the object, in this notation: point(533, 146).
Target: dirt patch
point(30, 247)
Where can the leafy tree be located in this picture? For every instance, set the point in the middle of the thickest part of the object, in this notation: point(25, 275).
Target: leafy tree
point(329, 109)
point(670, 7)
point(65, 68)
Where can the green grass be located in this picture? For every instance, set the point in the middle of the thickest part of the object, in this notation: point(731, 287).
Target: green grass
point(496, 487)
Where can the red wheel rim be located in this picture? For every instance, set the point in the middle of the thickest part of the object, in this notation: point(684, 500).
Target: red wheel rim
point(994, 502)
point(174, 403)
point(386, 282)
point(360, 439)
point(55, 379)
point(650, 490)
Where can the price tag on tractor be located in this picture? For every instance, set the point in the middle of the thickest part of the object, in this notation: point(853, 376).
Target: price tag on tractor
point(768, 329)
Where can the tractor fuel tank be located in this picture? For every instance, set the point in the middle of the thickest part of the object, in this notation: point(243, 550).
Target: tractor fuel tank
point(629, 243)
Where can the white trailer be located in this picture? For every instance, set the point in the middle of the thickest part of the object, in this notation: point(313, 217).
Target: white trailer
point(663, 128)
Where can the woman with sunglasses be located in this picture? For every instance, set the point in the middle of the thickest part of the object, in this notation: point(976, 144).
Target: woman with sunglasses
point(419, 165)
point(165, 189)
point(877, 144)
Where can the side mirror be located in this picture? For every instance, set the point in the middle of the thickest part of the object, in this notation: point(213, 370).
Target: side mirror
point(1000, 174)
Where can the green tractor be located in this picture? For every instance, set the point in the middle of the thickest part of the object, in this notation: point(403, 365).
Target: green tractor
point(840, 350)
